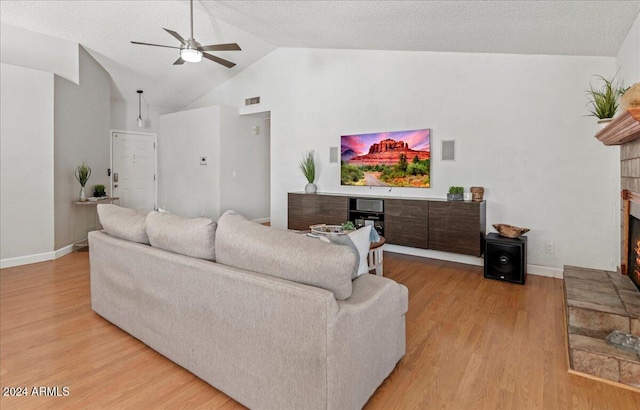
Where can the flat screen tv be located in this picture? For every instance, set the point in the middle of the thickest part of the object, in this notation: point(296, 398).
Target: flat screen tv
point(394, 159)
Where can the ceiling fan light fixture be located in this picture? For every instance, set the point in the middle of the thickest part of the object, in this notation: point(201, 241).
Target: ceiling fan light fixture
point(191, 55)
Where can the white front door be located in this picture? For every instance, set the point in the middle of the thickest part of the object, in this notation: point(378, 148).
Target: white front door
point(133, 175)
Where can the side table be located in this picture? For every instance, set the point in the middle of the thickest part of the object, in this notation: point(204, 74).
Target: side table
point(374, 259)
point(83, 243)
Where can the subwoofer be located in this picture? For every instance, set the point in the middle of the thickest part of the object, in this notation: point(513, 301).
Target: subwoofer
point(505, 258)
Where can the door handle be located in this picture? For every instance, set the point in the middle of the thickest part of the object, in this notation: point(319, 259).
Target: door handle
point(115, 186)
point(115, 177)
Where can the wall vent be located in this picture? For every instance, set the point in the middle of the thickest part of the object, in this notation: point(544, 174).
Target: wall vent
point(252, 101)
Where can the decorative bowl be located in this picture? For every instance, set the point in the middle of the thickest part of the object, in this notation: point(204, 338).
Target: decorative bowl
point(324, 229)
point(510, 231)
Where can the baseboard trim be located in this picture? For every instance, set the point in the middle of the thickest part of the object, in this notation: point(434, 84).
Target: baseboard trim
point(26, 260)
point(262, 220)
point(545, 271)
point(39, 257)
point(64, 251)
point(428, 253)
point(468, 260)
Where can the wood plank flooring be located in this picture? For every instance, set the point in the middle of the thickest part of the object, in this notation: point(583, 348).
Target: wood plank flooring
point(471, 343)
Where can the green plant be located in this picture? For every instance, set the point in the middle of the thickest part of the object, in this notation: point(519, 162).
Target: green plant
point(308, 167)
point(603, 101)
point(348, 226)
point(98, 189)
point(83, 172)
point(456, 190)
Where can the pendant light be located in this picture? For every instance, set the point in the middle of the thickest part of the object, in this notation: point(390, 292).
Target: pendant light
point(140, 122)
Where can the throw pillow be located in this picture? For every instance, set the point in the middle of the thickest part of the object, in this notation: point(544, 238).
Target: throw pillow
point(193, 237)
point(123, 223)
point(360, 239)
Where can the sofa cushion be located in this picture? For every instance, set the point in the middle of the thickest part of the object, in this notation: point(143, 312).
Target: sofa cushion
point(123, 223)
point(284, 254)
point(193, 237)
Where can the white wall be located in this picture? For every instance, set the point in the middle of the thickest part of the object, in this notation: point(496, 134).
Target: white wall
point(82, 123)
point(248, 156)
point(629, 56)
point(518, 121)
point(184, 186)
point(34, 50)
point(124, 116)
point(26, 186)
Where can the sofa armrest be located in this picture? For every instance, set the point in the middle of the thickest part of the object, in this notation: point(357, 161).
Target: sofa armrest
point(366, 340)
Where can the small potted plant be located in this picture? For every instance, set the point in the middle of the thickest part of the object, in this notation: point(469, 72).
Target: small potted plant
point(603, 101)
point(348, 226)
point(456, 193)
point(98, 190)
point(308, 168)
point(83, 172)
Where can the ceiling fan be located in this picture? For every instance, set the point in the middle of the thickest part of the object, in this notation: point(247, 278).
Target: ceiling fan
point(192, 52)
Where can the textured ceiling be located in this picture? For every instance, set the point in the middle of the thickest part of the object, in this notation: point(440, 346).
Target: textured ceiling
point(594, 28)
point(104, 28)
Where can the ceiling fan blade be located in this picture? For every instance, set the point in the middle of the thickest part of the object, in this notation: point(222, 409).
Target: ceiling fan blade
point(176, 35)
point(179, 61)
point(221, 47)
point(155, 45)
point(219, 60)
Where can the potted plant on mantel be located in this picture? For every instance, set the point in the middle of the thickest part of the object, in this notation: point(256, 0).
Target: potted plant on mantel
point(603, 101)
point(308, 168)
point(83, 172)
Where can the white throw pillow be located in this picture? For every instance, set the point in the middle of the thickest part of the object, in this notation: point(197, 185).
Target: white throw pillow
point(193, 237)
point(123, 223)
point(360, 239)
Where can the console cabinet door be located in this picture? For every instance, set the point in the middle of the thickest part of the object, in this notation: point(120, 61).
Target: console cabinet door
point(406, 222)
point(455, 226)
point(311, 209)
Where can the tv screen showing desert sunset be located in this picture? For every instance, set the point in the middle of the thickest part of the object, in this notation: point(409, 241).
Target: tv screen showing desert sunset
point(395, 159)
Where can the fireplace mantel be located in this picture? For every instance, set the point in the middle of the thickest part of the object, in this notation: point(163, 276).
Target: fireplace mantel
point(624, 128)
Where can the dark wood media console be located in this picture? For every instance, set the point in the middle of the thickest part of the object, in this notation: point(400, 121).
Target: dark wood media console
point(449, 226)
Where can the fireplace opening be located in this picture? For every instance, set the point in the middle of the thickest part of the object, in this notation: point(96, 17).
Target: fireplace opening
point(634, 250)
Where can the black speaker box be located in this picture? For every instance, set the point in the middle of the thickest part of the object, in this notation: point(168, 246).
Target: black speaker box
point(505, 258)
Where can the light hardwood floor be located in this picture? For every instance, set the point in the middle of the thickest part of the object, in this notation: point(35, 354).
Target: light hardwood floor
point(471, 343)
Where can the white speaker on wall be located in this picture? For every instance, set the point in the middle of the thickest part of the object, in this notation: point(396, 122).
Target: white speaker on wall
point(333, 155)
point(448, 150)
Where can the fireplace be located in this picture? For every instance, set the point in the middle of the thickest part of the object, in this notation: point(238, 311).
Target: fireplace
point(634, 250)
point(630, 265)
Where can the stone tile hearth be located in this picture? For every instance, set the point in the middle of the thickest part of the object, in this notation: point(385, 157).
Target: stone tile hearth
point(597, 303)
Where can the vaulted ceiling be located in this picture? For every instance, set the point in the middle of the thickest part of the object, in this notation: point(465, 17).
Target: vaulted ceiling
point(104, 28)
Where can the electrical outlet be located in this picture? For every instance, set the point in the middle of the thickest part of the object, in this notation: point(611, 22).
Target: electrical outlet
point(549, 247)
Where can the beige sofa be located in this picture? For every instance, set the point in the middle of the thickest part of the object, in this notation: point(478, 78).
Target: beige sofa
point(275, 322)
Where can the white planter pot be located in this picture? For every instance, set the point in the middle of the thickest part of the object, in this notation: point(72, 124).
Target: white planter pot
point(604, 122)
point(311, 188)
